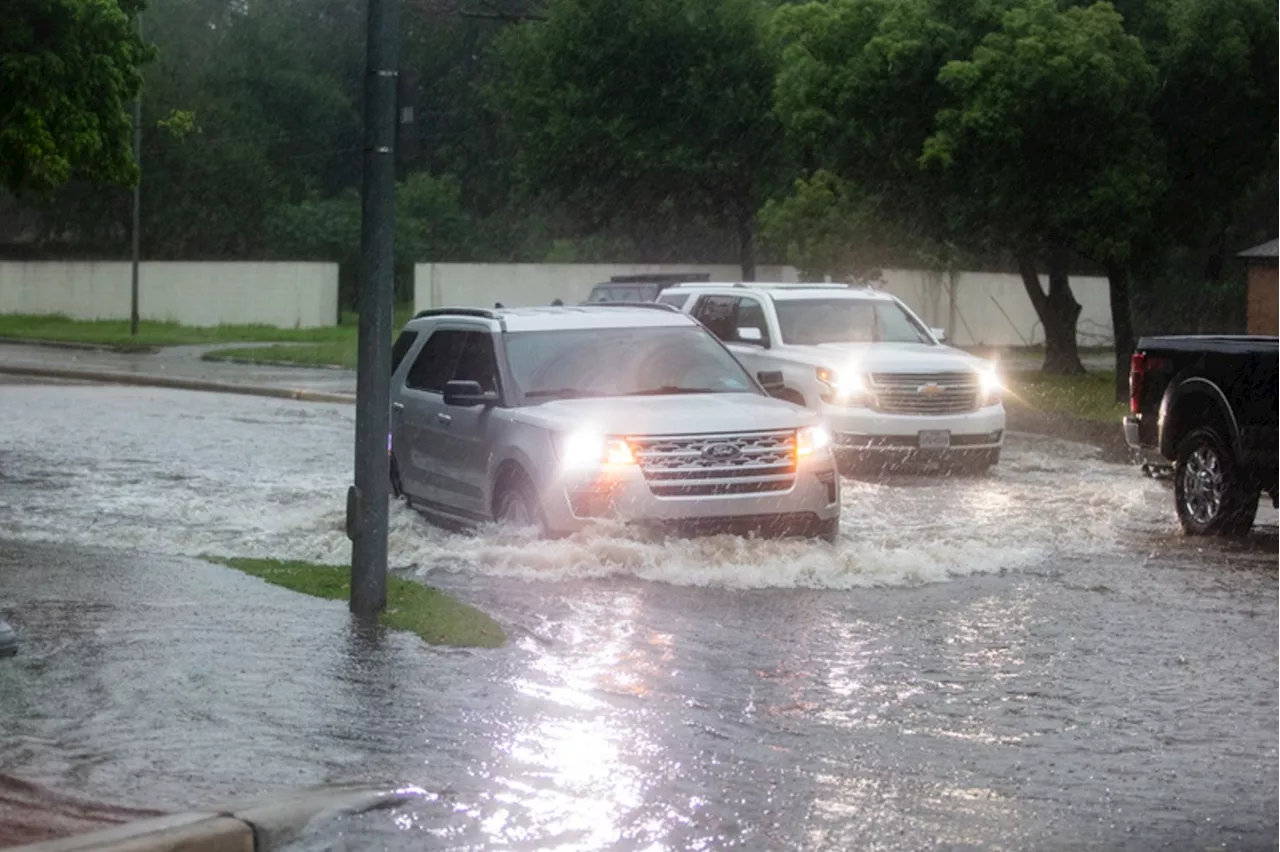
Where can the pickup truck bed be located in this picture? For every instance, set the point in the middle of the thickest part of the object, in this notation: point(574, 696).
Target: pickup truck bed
point(1208, 406)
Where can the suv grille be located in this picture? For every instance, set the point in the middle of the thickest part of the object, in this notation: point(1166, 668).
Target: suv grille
point(699, 465)
point(926, 393)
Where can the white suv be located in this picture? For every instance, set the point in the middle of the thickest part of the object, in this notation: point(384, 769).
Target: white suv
point(552, 417)
point(888, 388)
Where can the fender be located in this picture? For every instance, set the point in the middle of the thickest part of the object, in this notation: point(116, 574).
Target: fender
point(1196, 385)
point(510, 454)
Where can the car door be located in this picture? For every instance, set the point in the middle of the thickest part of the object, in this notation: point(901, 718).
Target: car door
point(422, 419)
point(724, 315)
point(467, 434)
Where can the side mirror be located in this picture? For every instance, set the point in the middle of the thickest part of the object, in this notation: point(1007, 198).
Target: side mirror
point(940, 333)
point(750, 334)
point(468, 394)
point(771, 380)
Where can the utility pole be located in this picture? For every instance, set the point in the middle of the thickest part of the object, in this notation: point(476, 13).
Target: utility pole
point(137, 199)
point(367, 500)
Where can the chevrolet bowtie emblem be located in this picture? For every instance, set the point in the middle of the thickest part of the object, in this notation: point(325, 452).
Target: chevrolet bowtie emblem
point(931, 388)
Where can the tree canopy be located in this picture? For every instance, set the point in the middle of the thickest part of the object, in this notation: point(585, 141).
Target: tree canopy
point(68, 72)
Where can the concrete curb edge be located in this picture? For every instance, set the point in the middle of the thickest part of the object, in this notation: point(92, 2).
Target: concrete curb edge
point(152, 380)
point(262, 825)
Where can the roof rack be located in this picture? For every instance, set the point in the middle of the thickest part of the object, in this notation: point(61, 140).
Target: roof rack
point(624, 304)
point(483, 313)
point(786, 285)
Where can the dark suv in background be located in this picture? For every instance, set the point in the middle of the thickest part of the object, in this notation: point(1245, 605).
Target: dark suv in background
point(640, 288)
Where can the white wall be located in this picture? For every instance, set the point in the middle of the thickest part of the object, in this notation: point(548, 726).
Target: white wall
point(479, 285)
point(287, 295)
point(993, 309)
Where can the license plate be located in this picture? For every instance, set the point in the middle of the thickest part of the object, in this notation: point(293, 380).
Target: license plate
point(934, 440)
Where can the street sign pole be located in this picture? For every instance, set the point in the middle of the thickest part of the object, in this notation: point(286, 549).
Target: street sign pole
point(368, 498)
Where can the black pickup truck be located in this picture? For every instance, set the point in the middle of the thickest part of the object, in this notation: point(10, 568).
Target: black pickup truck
point(1208, 406)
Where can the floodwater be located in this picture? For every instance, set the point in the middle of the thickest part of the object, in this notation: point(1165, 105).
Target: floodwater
point(1034, 659)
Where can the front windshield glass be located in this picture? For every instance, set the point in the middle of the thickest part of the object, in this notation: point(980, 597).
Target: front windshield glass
point(621, 362)
point(809, 322)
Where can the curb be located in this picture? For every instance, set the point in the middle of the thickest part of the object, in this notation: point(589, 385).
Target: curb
point(72, 344)
point(261, 825)
point(151, 380)
point(214, 358)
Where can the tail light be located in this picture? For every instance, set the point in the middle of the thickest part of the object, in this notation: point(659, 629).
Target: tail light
point(1137, 372)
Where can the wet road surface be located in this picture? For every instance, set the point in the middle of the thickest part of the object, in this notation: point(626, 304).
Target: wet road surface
point(1036, 659)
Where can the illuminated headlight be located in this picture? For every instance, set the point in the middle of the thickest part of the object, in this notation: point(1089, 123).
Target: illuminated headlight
point(842, 386)
point(991, 386)
point(812, 440)
point(590, 450)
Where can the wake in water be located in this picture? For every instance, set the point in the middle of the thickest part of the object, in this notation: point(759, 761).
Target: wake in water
point(195, 474)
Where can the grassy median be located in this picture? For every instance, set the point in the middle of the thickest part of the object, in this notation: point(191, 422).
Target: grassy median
point(430, 613)
point(333, 345)
point(1090, 396)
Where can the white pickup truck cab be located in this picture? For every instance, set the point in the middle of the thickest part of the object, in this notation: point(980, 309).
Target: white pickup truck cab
point(889, 390)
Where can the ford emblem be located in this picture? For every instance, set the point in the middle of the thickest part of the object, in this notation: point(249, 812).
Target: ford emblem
point(722, 452)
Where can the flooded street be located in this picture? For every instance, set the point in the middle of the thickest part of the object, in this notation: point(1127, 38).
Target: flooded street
point(1034, 659)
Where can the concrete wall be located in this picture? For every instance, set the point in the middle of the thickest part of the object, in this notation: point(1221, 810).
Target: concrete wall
point(991, 308)
point(288, 295)
point(479, 285)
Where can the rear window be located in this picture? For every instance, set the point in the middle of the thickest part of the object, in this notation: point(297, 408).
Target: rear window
point(624, 293)
point(401, 348)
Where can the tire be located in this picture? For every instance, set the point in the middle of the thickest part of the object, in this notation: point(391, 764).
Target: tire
point(829, 531)
point(1211, 495)
point(517, 504)
point(397, 489)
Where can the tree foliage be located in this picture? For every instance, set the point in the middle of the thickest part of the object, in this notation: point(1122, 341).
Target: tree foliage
point(68, 72)
point(644, 109)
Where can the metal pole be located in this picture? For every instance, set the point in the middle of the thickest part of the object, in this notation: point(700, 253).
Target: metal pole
point(368, 498)
point(137, 200)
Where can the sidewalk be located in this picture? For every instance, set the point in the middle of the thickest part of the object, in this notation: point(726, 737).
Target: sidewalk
point(177, 367)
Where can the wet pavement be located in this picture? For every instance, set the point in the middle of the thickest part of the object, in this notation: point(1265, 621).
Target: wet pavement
point(1035, 659)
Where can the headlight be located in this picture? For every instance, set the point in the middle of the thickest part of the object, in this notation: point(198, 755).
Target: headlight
point(844, 387)
point(811, 440)
point(588, 450)
point(991, 386)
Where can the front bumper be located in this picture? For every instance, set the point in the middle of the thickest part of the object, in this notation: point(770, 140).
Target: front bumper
point(812, 500)
point(866, 432)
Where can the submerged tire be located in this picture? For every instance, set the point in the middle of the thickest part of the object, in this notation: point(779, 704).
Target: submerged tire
point(517, 504)
point(1210, 493)
point(397, 489)
point(829, 531)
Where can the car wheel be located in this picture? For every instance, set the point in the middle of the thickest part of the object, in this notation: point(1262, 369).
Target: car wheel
point(1210, 495)
point(829, 531)
point(397, 489)
point(518, 506)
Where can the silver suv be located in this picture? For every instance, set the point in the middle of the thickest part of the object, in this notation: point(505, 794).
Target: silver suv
point(553, 417)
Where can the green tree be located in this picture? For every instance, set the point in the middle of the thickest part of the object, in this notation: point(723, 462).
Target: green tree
point(1017, 127)
point(68, 72)
point(1049, 146)
point(645, 109)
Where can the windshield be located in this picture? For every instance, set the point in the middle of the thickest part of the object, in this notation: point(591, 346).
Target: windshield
point(621, 362)
point(809, 322)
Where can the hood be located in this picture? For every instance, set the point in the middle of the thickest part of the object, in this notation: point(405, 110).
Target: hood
point(680, 414)
point(890, 357)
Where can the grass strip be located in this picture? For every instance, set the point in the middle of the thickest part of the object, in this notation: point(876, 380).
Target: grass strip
point(435, 616)
point(1090, 396)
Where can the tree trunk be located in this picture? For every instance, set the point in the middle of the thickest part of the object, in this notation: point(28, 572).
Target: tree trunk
point(747, 245)
point(1058, 312)
point(1122, 327)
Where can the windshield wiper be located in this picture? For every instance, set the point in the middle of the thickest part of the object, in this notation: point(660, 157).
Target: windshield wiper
point(563, 393)
point(668, 389)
